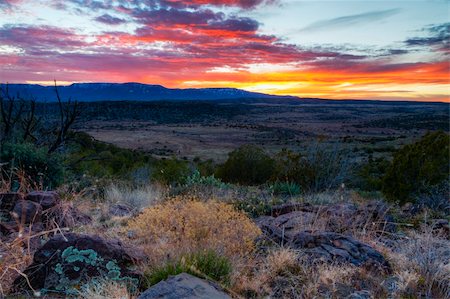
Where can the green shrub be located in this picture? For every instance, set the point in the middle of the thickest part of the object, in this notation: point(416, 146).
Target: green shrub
point(206, 264)
point(247, 165)
point(369, 177)
point(39, 167)
point(285, 188)
point(196, 179)
point(417, 167)
point(171, 171)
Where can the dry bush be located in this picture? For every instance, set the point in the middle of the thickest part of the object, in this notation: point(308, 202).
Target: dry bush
point(185, 225)
point(422, 266)
point(134, 197)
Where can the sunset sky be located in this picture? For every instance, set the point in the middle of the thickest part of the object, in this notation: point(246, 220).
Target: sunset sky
point(390, 50)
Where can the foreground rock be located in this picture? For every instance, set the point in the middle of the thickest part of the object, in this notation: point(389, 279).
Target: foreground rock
point(184, 286)
point(65, 262)
point(37, 211)
point(324, 245)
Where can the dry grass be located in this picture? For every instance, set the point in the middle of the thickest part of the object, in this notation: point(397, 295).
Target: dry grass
point(185, 225)
point(136, 198)
point(104, 289)
point(422, 265)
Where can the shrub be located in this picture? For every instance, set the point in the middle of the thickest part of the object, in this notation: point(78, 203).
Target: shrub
point(417, 167)
point(184, 226)
point(286, 188)
point(171, 171)
point(206, 264)
point(370, 175)
point(247, 165)
point(320, 168)
point(39, 167)
point(197, 179)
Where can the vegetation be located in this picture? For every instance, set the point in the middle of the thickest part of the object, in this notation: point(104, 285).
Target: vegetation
point(206, 264)
point(182, 226)
point(248, 165)
point(417, 167)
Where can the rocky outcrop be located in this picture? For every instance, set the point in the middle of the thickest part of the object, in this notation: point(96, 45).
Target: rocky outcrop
point(26, 212)
point(47, 199)
point(340, 218)
point(184, 286)
point(305, 230)
point(70, 260)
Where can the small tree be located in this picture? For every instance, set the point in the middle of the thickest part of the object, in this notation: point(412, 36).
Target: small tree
point(248, 165)
point(417, 167)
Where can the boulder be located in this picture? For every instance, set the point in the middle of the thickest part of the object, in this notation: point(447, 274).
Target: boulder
point(27, 211)
point(47, 199)
point(65, 215)
point(184, 286)
point(65, 262)
point(8, 200)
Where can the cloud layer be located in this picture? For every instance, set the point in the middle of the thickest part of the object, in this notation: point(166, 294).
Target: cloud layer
point(183, 43)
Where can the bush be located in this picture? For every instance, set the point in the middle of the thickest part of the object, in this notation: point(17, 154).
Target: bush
point(206, 264)
point(319, 169)
point(369, 176)
point(286, 188)
point(184, 226)
point(197, 179)
point(247, 165)
point(417, 167)
point(39, 168)
point(171, 171)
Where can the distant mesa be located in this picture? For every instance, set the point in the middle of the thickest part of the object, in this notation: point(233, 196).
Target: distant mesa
point(90, 92)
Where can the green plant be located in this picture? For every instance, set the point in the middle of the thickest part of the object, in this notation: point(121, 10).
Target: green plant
point(416, 167)
point(369, 177)
point(207, 264)
point(197, 179)
point(39, 167)
point(285, 188)
point(171, 171)
point(247, 165)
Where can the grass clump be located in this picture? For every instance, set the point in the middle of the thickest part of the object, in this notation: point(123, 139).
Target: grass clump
point(207, 264)
point(181, 226)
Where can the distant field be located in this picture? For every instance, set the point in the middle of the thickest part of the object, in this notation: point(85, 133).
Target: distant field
point(212, 129)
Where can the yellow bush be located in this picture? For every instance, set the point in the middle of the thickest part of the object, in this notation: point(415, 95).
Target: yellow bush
point(180, 226)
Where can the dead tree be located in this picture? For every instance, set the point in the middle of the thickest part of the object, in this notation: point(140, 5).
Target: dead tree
point(11, 109)
point(68, 113)
point(30, 123)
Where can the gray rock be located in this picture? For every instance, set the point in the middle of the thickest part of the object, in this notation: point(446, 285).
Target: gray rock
point(184, 286)
point(27, 211)
point(47, 199)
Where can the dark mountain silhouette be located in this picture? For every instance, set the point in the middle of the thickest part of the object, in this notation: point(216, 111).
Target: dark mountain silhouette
point(89, 92)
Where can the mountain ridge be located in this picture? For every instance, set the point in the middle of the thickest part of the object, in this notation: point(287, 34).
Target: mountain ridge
point(131, 91)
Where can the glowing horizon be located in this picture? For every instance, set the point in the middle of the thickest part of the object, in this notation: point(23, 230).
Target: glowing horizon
point(334, 50)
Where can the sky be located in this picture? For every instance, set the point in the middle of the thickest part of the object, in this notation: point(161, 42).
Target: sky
point(386, 50)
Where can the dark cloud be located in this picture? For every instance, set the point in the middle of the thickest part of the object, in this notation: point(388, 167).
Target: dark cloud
point(109, 20)
point(438, 36)
point(351, 20)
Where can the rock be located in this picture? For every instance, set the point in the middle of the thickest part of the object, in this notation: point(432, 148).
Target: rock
point(9, 200)
point(324, 245)
point(340, 218)
point(47, 199)
point(120, 210)
point(184, 286)
point(70, 260)
point(27, 211)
